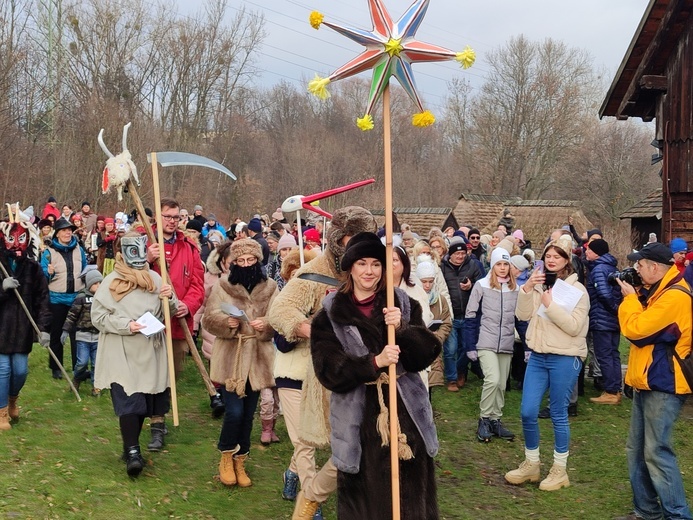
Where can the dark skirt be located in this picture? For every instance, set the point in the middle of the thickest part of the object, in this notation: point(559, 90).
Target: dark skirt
point(367, 494)
point(138, 403)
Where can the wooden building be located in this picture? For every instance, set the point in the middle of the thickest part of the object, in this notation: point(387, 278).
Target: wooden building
point(421, 220)
point(655, 82)
point(536, 218)
point(645, 217)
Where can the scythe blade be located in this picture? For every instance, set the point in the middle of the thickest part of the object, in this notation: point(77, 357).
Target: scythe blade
point(166, 159)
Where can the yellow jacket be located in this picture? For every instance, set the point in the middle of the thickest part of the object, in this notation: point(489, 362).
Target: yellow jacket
point(665, 321)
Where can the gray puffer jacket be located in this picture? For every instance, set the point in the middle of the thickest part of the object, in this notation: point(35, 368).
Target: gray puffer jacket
point(489, 323)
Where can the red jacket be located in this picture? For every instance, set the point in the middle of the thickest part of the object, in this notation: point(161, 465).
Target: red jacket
point(186, 273)
point(50, 210)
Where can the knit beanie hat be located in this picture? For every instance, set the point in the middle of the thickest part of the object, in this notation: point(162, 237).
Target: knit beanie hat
point(595, 231)
point(499, 234)
point(599, 246)
point(520, 262)
point(255, 225)
point(564, 243)
point(408, 235)
point(499, 255)
point(273, 236)
point(457, 244)
point(312, 235)
point(245, 246)
point(678, 245)
point(348, 221)
point(100, 218)
point(287, 241)
point(519, 235)
point(195, 225)
point(212, 216)
point(198, 208)
point(92, 277)
point(425, 270)
point(506, 244)
point(363, 245)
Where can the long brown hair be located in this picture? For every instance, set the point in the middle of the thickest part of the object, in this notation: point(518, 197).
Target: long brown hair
point(495, 284)
point(568, 269)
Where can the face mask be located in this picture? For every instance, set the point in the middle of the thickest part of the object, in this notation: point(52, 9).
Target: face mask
point(16, 239)
point(134, 250)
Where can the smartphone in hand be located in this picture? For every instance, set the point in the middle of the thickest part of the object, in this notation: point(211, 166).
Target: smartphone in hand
point(539, 265)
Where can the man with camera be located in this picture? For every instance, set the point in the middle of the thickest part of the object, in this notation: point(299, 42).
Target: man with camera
point(605, 297)
point(655, 329)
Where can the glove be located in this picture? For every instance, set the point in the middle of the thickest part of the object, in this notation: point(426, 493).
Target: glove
point(527, 354)
point(63, 337)
point(9, 283)
point(45, 339)
point(473, 355)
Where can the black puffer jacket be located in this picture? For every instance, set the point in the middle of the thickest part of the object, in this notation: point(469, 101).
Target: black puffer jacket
point(453, 277)
point(16, 329)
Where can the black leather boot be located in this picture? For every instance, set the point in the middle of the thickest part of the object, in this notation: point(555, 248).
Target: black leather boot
point(135, 462)
point(158, 432)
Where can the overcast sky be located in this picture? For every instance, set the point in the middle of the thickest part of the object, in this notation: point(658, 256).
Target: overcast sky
point(293, 51)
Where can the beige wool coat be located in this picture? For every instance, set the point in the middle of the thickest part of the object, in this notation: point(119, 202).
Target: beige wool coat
point(257, 349)
point(136, 362)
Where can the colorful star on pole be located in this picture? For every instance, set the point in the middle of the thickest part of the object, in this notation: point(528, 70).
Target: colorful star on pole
point(391, 48)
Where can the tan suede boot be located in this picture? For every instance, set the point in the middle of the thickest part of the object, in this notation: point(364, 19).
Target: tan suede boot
point(241, 476)
point(607, 398)
point(13, 409)
point(305, 509)
point(528, 471)
point(227, 474)
point(556, 479)
point(4, 419)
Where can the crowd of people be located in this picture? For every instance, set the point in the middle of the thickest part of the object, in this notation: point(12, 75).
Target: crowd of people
point(303, 332)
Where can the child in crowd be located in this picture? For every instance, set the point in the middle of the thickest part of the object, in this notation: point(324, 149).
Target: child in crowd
point(87, 336)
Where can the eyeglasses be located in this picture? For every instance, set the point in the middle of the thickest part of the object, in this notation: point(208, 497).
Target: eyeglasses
point(475, 237)
point(174, 218)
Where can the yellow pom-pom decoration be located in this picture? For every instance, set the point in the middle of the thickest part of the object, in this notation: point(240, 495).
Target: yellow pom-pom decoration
point(466, 58)
point(365, 123)
point(425, 118)
point(318, 87)
point(316, 19)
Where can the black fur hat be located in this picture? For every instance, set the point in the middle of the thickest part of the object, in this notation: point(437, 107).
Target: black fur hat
point(363, 245)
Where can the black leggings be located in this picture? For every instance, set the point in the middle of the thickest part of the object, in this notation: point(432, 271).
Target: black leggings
point(130, 428)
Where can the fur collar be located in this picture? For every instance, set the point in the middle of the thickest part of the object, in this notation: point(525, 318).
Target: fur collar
point(212, 267)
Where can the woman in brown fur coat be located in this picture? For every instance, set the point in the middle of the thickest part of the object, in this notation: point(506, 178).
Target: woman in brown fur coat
point(243, 352)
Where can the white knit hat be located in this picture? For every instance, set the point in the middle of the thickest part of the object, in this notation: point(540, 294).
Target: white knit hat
point(499, 255)
point(520, 262)
point(425, 270)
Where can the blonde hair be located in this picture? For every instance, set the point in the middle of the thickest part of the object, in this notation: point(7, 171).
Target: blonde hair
point(442, 243)
point(495, 284)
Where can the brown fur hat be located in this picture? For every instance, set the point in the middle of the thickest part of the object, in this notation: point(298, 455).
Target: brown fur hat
point(245, 246)
point(349, 220)
point(292, 261)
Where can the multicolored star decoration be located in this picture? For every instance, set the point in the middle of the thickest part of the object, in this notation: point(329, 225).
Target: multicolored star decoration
point(391, 48)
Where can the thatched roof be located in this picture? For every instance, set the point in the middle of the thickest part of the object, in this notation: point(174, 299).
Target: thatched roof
point(536, 218)
point(421, 220)
point(649, 207)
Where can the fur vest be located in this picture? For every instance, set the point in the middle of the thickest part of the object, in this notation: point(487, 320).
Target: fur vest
point(257, 350)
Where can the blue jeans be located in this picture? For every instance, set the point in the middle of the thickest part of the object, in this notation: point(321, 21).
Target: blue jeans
point(238, 419)
point(558, 374)
point(654, 472)
point(14, 369)
point(453, 349)
point(86, 352)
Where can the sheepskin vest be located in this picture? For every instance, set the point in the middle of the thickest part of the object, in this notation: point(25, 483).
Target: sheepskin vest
point(346, 410)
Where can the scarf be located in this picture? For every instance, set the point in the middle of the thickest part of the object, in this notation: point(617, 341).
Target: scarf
point(130, 279)
point(433, 295)
point(248, 277)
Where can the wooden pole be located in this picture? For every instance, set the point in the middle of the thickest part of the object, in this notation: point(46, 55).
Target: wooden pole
point(132, 189)
point(38, 333)
point(390, 285)
point(300, 237)
point(164, 279)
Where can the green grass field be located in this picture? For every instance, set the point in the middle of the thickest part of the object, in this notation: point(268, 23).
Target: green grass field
point(62, 461)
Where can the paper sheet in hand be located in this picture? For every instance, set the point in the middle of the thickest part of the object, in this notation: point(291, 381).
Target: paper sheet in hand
point(151, 324)
point(233, 311)
point(565, 296)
